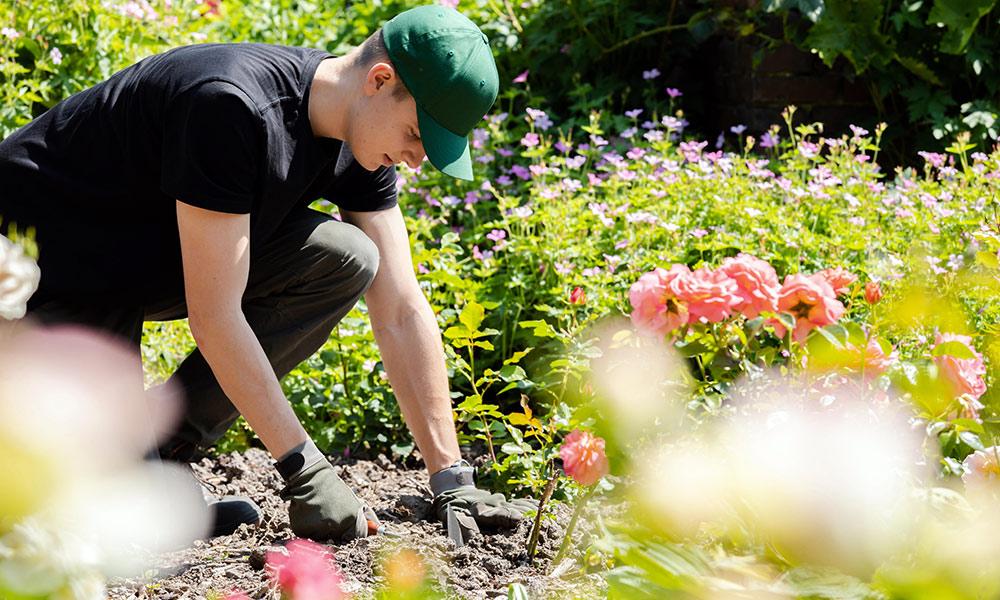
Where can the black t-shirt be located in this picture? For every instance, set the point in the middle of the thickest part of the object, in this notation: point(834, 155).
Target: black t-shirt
point(220, 126)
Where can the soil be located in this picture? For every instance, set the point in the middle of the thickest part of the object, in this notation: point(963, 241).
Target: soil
point(481, 569)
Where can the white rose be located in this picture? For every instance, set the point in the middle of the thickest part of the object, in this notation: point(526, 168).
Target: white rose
point(19, 275)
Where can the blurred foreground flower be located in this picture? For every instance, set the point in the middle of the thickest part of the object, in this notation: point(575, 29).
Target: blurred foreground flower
point(982, 472)
point(74, 427)
point(811, 300)
point(820, 487)
point(963, 369)
point(19, 276)
point(583, 457)
point(307, 572)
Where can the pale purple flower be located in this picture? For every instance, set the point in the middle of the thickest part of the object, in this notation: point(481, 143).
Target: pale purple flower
point(561, 147)
point(9, 33)
point(861, 158)
point(485, 158)
point(635, 153)
point(523, 212)
point(698, 233)
point(654, 135)
point(504, 180)
point(956, 261)
point(479, 255)
point(505, 152)
point(571, 185)
point(651, 74)
point(471, 197)
point(621, 244)
point(738, 129)
point(132, 9)
point(537, 170)
point(858, 131)
point(976, 156)
point(598, 140)
point(563, 268)
point(631, 131)
point(520, 172)
point(719, 141)
point(594, 180)
point(933, 158)
point(808, 149)
point(753, 212)
point(633, 113)
point(530, 139)
point(672, 123)
point(674, 92)
point(479, 136)
point(498, 118)
point(768, 140)
point(522, 77)
point(56, 56)
point(626, 175)
point(496, 235)
point(539, 118)
point(451, 201)
point(613, 261)
point(591, 272)
point(648, 125)
point(575, 162)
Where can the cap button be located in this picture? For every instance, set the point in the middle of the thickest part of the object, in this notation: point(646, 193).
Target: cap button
point(482, 82)
point(451, 53)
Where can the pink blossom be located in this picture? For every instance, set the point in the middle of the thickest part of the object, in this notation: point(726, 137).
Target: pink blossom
point(757, 284)
point(982, 469)
point(307, 572)
point(875, 359)
point(839, 279)
point(659, 300)
point(964, 375)
point(522, 77)
point(674, 92)
point(811, 300)
point(583, 457)
point(530, 139)
point(769, 140)
point(711, 296)
point(56, 56)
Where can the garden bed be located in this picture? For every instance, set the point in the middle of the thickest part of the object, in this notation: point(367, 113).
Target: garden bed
point(483, 568)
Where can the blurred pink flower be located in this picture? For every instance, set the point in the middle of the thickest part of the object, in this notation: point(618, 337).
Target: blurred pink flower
point(659, 300)
point(711, 295)
point(307, 572)
point(965, 375)
point(839, 279)
point(875, 360)
point(530, 139)
point(811, 300)
point(522, 77)
point(981, 469)
point(873, 292)
point(583, 457)
point(237, 595)
point(577, 296)
point(449, 3)
point(757, 284)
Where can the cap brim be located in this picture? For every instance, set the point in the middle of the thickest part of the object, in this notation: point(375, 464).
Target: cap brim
point(448, 152)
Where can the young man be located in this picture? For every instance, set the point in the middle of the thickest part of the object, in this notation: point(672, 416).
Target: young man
point(180, 187)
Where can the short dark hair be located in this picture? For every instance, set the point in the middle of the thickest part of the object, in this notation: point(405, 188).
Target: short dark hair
point(373, 50)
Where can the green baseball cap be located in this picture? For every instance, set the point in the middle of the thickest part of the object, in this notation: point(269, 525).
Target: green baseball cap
point(447, 64)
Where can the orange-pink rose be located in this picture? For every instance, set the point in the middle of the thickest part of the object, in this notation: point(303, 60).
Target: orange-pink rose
point(307, 572)
point(583, 457)
point(811, 300)
point(873, 292)
point(839, 279)
point(965, 375)
point(710, 294)
point(875, 359)
point(658, 302)
point(757, 284)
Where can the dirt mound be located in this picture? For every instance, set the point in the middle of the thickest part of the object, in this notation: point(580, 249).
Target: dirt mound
point(483, 568)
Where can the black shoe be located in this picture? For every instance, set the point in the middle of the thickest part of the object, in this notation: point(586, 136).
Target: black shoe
point(232, 511)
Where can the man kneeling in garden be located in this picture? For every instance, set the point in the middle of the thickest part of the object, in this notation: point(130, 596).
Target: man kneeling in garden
point(181, 187)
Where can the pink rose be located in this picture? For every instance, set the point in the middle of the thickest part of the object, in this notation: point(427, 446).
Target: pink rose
point(982, 470)
point(658, 302)
point(839, 279)
point(307, 572)
point(710, 294)
point(757, 284)
point(811, 300)
point(965, 375)
point(583, 457)
point(875, 360)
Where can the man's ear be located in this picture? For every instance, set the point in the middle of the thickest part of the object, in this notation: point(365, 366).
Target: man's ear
point(379, 75)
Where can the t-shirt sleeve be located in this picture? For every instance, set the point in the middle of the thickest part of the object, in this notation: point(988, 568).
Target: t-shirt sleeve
point(361, 190)
point(212, 145)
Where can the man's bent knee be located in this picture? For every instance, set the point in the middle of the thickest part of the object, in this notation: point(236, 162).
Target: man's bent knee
point(348, 252)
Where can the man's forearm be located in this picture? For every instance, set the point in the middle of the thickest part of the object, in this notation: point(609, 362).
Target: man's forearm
point(413, 357)
point(245, 375)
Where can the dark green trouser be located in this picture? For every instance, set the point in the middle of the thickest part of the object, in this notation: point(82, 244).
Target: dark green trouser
point(301, 283)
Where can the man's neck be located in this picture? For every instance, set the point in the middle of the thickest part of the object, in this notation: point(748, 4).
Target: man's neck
point(330, 99)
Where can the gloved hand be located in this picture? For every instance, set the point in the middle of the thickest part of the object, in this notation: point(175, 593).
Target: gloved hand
point(463, 507)
point(321, 506)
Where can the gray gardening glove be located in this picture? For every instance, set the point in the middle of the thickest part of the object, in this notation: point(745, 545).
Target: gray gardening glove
point(321, 506)
point(463, 507)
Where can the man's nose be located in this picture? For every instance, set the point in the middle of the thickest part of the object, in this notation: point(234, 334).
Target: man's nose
point(415, 155)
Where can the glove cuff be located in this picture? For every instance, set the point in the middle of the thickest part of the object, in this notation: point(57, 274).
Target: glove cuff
point(461, 474)
point(298, 459)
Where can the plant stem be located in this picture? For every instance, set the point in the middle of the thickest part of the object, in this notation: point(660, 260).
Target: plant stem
point(572, 524)
point(533, 538)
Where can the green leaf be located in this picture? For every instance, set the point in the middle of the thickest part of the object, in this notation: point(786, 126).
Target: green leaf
point(971, 440)
point(787, 319)
point(517, 356)
point(961, 18)
point(918, 68)
point(852, 29)
point(512, 373)
point(456, 331)
point(954, 348)
point(835, 334)
point(988, 259)
point(470, 403)
point(511, 448)
point(970, 424)
point(472, 316)
point(483, 344)
point(539, 328)
point(516, 591)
